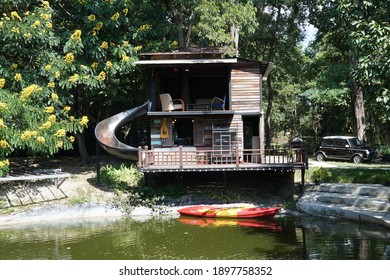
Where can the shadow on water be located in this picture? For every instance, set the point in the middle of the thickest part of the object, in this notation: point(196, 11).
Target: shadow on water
point(171, 238)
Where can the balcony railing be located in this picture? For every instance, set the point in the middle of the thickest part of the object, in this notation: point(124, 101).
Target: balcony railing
point(189, 158)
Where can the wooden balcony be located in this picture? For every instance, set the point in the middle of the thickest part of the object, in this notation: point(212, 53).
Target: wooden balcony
point(190, 159)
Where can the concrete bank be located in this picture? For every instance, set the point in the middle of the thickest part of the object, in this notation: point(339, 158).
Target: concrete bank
point(357, 202)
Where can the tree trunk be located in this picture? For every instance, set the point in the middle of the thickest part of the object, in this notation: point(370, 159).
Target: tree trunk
point(359, 124)
point(85, 158)
point(234, 33)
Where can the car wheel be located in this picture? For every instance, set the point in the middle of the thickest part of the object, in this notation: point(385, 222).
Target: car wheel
point(357, 159)
point(320, 157)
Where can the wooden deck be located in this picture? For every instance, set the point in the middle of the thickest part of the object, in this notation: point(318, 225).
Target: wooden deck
point(190, 159)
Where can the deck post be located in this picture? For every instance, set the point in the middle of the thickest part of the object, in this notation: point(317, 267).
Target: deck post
point(237, 156)
point(97, 165)
point(146, 160)
point(181, 156)
point(139, 157)
point(302, 185)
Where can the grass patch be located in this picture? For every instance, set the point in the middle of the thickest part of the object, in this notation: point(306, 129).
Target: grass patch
point(355, 175)
point(78, 200)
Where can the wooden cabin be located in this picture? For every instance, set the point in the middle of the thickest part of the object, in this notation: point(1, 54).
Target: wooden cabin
point(207, 115)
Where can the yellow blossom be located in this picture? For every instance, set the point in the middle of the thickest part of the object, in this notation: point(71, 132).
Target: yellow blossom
point(98, 26)
point(14, 66)
point(26, 135)
point(48, 67)
point(61, 133)
point(45, 4)
point(71, 139)
point(84, 120)
point(46, 16)
point(94, 65)
point(15, 29)
point(15, 15)
point(49, 25)
point(41, 139)
point(54, 97)
point(138, 48)
point(52, 118)
point(67, 108)
point(74, 78)
point(2, 125)
point(27, 35)
point(71, 118)
point(26, 92)
point(104, 45)
point(57, 74)
point(46, 124)
point(3, 106)
point(108, 64)
point(1, 24)
point(18, 77)
point(49, 109)
point(36, 24)
point(4, 144)
point(92, 17)
point(115, 16)
point(125, 11)
point(51, 85)
point(2, 82)
point(59, 144)
point(3, 163)
point(102, 76)
point(174, 43)
point(145, 27)
point(125, 57)
point(69, 58)
point(76, 36)
point(125, 43)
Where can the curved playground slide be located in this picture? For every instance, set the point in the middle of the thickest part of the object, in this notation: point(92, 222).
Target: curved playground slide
point(105, 132)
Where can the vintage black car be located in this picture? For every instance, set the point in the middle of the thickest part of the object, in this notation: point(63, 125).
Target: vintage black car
point(345, 148)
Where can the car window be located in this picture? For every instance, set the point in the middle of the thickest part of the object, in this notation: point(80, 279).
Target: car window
point(355, 142)
point(327, 142)
point(340, 143)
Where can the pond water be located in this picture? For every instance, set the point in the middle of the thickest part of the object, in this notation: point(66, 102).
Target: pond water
point(174, 238)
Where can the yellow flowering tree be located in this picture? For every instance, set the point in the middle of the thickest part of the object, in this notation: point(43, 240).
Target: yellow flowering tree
point(61, 61)
point(96, 57)
point(35, 114)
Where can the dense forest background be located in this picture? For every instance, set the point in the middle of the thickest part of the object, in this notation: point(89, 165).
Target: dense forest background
point(67, 64)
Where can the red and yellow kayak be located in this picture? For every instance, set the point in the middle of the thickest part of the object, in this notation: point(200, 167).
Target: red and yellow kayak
point(229, 212)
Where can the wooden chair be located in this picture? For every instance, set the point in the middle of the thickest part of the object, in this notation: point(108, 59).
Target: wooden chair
point(168, 104)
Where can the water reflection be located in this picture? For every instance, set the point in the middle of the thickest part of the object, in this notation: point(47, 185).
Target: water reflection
point(183, 238)
point(270, 224)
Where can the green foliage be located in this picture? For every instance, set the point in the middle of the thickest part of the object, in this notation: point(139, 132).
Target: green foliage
point(129, 188)
point(383, 150)
point(121, 178)
point(216, 18)
point(350, 175)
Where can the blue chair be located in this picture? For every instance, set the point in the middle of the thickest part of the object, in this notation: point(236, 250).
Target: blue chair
point(218, 103)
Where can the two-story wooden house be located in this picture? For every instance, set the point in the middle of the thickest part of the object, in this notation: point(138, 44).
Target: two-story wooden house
point(205, 113)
